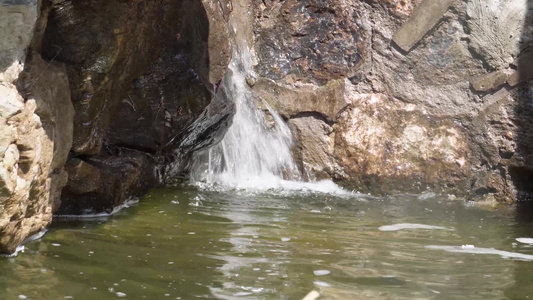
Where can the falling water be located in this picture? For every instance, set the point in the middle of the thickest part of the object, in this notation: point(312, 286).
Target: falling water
point(255, 153)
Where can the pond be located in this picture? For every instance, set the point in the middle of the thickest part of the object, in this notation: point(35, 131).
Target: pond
point(185, 243)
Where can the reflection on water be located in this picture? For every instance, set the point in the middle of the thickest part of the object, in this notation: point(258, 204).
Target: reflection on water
point(180, 243)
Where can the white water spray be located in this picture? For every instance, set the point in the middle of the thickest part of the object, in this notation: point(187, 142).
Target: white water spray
point(255, 153)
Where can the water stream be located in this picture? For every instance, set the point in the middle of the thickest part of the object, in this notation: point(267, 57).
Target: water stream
point(251, 155)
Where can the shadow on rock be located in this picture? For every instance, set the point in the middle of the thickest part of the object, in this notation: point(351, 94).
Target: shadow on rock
point(521, 172)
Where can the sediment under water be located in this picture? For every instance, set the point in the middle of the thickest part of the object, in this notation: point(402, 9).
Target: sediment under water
point(185, 243)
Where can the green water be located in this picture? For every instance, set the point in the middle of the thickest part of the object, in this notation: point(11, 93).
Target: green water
point(181, 243)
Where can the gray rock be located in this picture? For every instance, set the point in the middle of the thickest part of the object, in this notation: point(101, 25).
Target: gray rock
point(423, 19)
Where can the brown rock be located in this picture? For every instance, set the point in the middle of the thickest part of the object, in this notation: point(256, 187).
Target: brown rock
point(388, 147)
point(36, 130)
point(494, 80)
point(82, 177)
point(327, 100)
point(315, 147)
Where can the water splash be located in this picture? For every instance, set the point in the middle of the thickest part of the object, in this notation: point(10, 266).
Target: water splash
point(255, 154)
point(254, 151)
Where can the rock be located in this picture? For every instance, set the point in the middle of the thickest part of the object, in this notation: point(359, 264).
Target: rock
point(327, 100)
point(388, 147)
point(161, 103)
point(51, 93)
point(315, 147)
point(403, 7)
point(36, 129)
point(218, 40)
point(17, 21)
point(423, 19)
point(141, 74)
point(495, 80)
point(82, 177)
point(11, 102)
point(145, 36)
point(313, 40)
point(8, 173)
point(448, 110)
point(250, 81)
point(496, 30)
point(124, 175)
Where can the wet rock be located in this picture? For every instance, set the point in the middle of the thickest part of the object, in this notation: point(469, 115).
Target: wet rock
point(141, 73)
point(125, 174)
point(82, 177)
point(207, 130)
point(327, 100)
point(315, 147)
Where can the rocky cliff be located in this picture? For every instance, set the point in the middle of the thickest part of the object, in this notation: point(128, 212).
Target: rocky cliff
point(403, 96)
point(383, 96)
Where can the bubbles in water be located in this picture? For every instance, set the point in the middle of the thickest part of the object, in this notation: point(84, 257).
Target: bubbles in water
point(403, 226)
point(525, 240)
point(322, 283)
point(321, 272)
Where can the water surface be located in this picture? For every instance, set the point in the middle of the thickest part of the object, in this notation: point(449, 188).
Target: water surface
point(181, 243)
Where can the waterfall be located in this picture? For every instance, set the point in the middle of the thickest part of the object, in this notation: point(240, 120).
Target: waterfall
point(255, 154)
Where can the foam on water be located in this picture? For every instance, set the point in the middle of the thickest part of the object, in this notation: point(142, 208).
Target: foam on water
point(471, 249)
point(20, 249)
point(104, 215)
point(403, 226)
point(525, 240)
point(255, 154)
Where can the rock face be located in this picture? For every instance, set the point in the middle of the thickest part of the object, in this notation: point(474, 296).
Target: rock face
point(92, 94)
point(36, 129)
point(428, 94)
point(141, 72)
